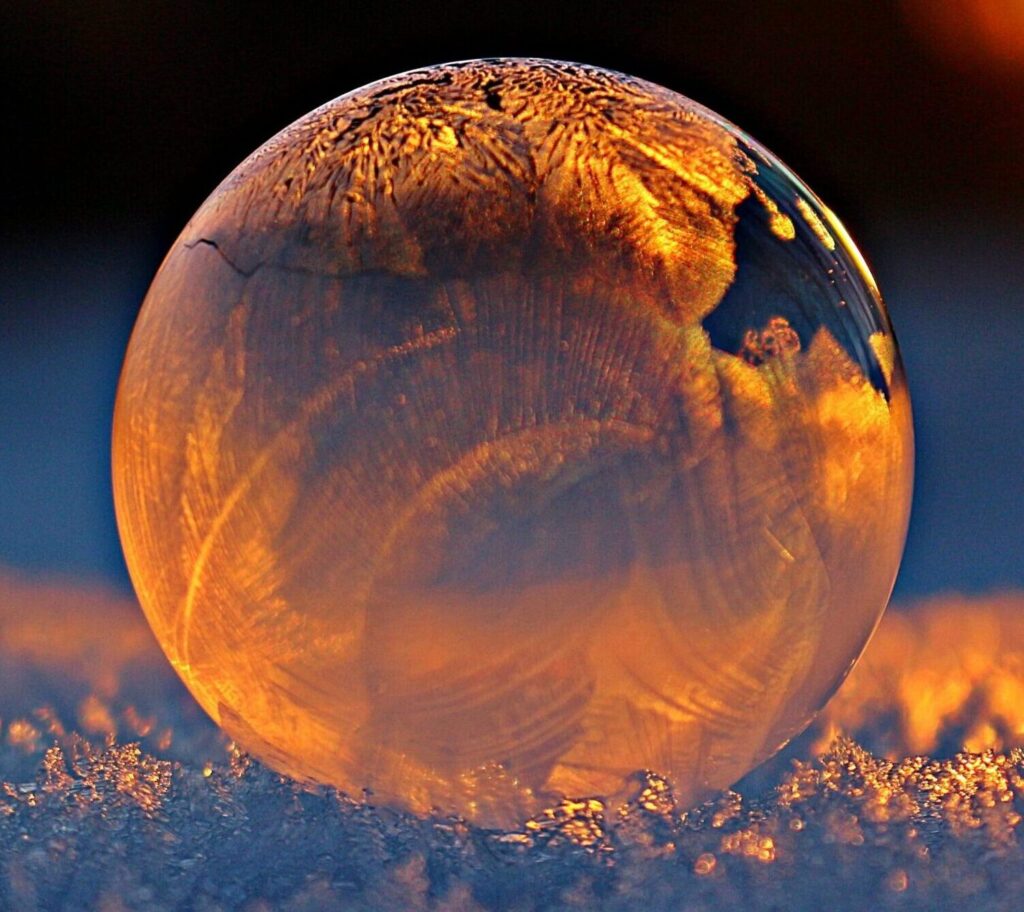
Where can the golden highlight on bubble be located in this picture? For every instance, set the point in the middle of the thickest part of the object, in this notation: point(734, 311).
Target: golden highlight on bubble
point(503, 428)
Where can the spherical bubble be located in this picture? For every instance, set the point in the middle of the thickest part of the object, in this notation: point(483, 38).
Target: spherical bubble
point(503, 428)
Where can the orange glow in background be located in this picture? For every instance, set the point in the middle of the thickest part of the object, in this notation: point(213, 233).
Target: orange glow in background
point(978, 35)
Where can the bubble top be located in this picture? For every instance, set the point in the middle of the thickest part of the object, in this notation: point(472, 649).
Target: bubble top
point(441, 171)
point(503, 428)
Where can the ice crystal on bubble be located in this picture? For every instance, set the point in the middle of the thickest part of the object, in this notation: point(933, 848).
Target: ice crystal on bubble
point(504, 428)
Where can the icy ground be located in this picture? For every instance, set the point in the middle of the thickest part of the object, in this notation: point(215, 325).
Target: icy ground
point(118, 794)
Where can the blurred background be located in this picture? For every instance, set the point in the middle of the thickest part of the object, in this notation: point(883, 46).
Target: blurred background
point(905, 116)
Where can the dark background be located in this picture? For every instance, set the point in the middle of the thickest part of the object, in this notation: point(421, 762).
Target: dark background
point(120, 116)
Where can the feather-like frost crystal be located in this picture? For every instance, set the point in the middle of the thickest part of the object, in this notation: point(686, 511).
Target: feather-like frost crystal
point(503, 428)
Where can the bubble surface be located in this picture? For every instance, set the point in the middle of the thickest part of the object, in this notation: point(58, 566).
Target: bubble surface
point(503, 428)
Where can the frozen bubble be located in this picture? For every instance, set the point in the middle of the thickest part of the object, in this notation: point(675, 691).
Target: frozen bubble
point(503, 428)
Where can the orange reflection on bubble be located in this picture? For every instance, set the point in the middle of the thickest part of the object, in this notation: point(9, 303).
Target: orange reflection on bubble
point(507, 427)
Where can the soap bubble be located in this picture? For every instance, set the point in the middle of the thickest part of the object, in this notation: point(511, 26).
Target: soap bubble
point(503, 428)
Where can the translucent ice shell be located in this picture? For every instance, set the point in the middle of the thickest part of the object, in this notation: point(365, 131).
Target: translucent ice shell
point(502, 428)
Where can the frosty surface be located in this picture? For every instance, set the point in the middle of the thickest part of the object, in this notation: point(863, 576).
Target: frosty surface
point(503, 428)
